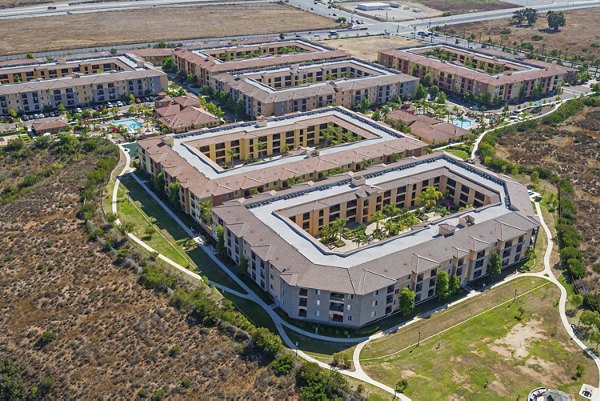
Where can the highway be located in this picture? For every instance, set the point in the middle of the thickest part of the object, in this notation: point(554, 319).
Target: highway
point(373, 27)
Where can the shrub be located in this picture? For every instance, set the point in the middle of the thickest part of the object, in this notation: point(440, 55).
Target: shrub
point(45, 338)
point(576, 267)
point(154, 277)
point(282, 364)
point(186, 382)
point(266, 341)
point(570, 252)
point(175, 351)
point(318, 384)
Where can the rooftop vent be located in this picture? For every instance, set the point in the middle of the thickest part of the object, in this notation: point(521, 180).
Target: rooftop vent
point(466, 220)
point(358, 180)
point(446, 229)
point(261, 123)
point(169, 141)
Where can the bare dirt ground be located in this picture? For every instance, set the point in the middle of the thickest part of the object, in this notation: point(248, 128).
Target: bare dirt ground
point(367, 47)
point(571, 150)
point(148, 25)
point(114, 339)
point(581, 35)
point(460, 6)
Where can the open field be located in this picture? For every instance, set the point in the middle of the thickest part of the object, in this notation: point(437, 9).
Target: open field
point(138, 26)
point(367, 47)
point(580, 36)
point(571, 150)
point(459, 6)
point(113, 338)
point(484, 354)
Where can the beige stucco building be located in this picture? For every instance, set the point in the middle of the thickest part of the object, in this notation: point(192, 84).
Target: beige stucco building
point(497, 76)
point(272, 236)
point(37, 87)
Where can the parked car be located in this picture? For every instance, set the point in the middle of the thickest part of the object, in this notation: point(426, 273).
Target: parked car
point(25, 118)
point(109, 104)
point(41, 115)
point(421, 33)
point(119, 104)
point(78, 110)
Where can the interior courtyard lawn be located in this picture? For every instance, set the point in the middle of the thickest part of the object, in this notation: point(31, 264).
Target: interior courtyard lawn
point(500, 349)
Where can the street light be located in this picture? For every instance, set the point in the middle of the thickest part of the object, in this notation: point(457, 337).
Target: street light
point(296, 348)
point(419, 339)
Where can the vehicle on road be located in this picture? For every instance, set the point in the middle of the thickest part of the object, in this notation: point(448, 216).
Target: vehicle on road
point(51, 7)
point(333, 33)
point(421, 33)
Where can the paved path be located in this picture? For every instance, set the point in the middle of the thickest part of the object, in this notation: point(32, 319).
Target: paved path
point(358, 371)
point(563, 295)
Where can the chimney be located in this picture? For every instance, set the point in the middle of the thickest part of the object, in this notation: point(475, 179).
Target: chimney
point(169, 140)
point(140, 64)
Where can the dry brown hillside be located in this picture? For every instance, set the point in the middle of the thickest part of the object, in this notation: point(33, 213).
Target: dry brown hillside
point(114, 339)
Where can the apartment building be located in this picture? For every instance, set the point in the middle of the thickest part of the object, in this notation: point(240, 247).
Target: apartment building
point(35, 87)
point(272, 236)
point(491, 75)
point(303, 87)
point(208, 61)
point(245, 159)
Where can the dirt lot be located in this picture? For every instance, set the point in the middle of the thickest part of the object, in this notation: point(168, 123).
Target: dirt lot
point(581, 35)
point(138, 26)
point(572, 151)
point(114, 339)
point(367, 47)
point(461, 6)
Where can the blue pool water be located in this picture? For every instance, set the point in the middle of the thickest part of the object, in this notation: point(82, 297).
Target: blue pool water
point(131, 124)
point(465, 123)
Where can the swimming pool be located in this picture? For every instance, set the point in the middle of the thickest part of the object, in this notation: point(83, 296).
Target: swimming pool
point(132, 124)
point(465, 123)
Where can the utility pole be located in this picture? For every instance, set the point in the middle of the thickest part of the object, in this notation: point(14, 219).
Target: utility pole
point(419, 339)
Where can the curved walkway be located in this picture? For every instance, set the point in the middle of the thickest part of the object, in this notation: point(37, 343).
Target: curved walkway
point(358, 372)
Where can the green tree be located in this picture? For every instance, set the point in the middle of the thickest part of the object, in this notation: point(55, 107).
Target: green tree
point(173, 193)
point(576, 267)
point(535, 179)
point(494, 265)
point(406, 301)
point(339, 224)
point(429, 197)
point(113, 51)
point(61, 108)
point(441, 99)
point(556, 19)
point(377, 217)
point(421, 92)
point(282, 364)
point(12, 112)
point(168, 64)
point(589, 319)
point(220, 247)
point(577, 300)
point(595, 338)
point(281, 36)
point(266, 341)
point(442, 285)
point(30, 56)
point(454, 284)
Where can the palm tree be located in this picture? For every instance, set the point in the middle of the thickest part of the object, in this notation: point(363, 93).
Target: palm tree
point(429, 197)
point(339, 224)
point(391, 210)
point(232, 153)
point(377, 217)
point(261, 146)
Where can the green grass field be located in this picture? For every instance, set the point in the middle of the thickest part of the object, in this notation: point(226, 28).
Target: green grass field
point(458, 153)
point(136, 206)
point(487, 348)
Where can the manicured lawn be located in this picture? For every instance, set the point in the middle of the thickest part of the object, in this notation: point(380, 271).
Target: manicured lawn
point(321, 350)
point(458, 152)
point(487, 348)
point(252, 311)
point(136, 206)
